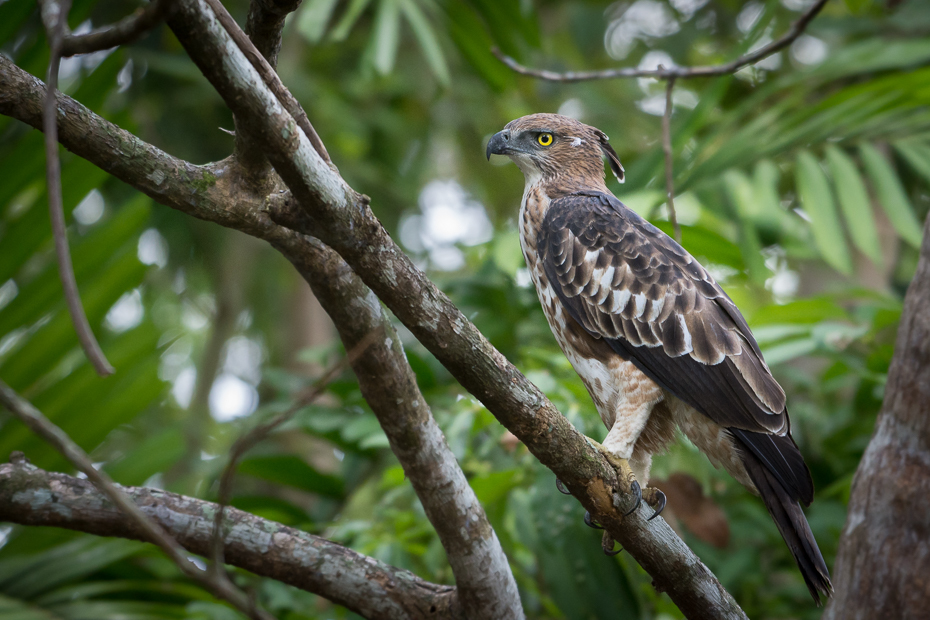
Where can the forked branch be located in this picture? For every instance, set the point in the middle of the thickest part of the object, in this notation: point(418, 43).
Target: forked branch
point(122, 32)
point(663, 73)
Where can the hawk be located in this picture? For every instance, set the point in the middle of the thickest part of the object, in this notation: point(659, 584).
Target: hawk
point(656, 341)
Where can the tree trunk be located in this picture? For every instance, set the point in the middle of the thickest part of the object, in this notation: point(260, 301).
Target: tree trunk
point(883, 566)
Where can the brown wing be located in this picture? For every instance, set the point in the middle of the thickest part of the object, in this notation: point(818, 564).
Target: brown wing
point(625, 281)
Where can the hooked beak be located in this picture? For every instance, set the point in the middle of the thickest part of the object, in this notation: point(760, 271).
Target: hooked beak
point(499, 144)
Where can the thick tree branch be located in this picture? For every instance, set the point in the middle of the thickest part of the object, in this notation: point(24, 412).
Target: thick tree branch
point(122, 32)
point(884, 555)
point(343, 220)
point(265, 24)
point(150, 530)
point(217, 193)
point(31, 496)
point(270, 79)
point(486, 585)
point(797, 28)
point(485, 582)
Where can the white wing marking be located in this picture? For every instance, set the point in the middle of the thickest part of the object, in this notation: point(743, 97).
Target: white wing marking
point(684, 329)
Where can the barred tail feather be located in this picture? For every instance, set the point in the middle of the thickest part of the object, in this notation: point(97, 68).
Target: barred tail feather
point(793, 526)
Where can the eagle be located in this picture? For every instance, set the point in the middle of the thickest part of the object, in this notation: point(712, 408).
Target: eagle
point(656, 341)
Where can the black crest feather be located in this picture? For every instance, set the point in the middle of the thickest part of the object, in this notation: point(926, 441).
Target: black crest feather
point(612, 158)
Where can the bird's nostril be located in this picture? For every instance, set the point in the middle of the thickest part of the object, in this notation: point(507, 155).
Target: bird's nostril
point(505, 136)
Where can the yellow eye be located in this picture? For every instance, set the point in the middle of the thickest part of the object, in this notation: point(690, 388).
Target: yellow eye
point(545, 139)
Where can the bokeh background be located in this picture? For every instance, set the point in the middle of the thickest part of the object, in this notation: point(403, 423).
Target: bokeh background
point(802, 183)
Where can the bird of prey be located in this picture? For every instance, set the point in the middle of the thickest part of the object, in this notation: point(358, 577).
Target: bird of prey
point(656, 341)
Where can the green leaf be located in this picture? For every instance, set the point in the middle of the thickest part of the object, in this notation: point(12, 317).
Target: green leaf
point(342, 29)
point(427, 39)
point(472, 39)
point(63, 564)
point(751, 249)
point(13, 609)
point(563, 540)
point(495, 486)
point(313, 18)
point(292, 471)
point(768, 334)
point(382, 49)
point(855, 203)
point(742, 194)
point(891, 194)
point(807, 311)
point(857, 6)
point(917, 155)
point(780, 353)
point(765, 185)
point(817, 201)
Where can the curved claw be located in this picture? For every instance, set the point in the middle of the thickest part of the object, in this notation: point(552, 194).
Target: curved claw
point(561, 487)
point(607, 545)
point(660, 504)
point(636, 490)
point(591, 522)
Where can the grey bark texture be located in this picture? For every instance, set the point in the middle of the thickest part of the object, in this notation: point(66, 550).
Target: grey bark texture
point(31, 496)
point(883, 564)
point(486, 585)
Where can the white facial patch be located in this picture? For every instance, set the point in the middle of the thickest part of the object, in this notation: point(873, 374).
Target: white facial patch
point(577, 141)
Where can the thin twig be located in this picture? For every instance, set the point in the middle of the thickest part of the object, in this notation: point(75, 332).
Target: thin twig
point(54, 16)
point(669, 166)
point(762, 53)
point(122, 32)
point(42, 426)
point(254, 436)
point(269, 77)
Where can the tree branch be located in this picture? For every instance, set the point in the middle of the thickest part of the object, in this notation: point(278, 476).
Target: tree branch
point(250, 439)
point(122, 32)
point(669, 161)
point(55, 19)
point(797, 28)
point(265, 24)
point(215, 193)
point(31, 496)
point(486, 585)
point(341, 218)
point(269, 77)
point(150, 530)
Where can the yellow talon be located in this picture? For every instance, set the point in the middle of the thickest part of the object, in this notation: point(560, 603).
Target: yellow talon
point(624, 473)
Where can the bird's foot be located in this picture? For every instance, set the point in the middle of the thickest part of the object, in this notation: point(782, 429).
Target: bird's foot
point(624, 474)
point(655, 498)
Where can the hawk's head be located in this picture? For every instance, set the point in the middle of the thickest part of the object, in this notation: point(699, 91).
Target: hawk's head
point(548, 146)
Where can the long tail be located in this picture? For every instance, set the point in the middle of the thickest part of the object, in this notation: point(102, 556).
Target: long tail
point(791, 522)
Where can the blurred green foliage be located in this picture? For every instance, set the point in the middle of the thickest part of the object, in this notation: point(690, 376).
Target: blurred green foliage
point(802, 184)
